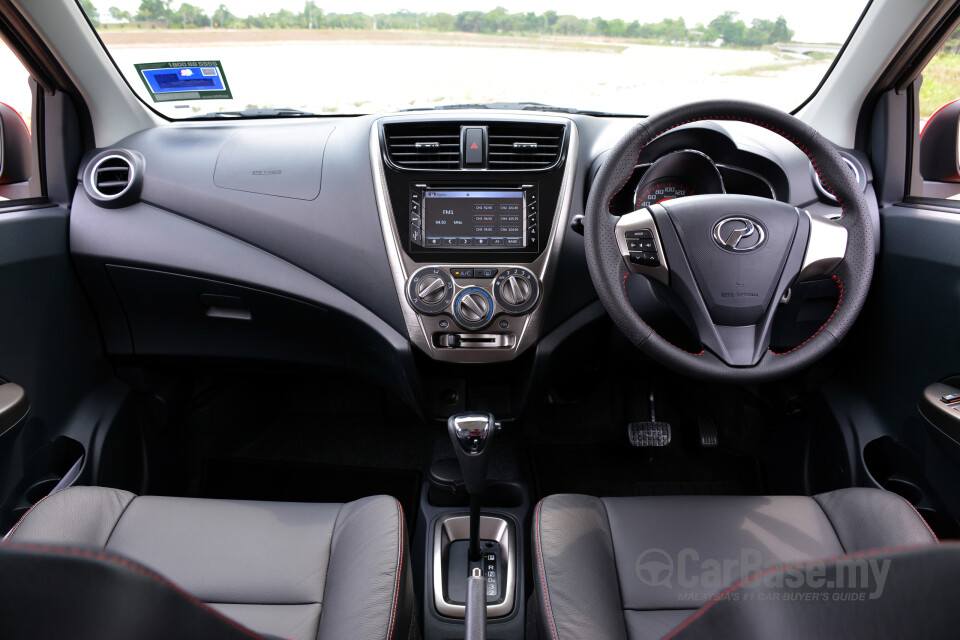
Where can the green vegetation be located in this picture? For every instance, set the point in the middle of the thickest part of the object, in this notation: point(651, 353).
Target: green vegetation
point(941, 83)
point(726, 29)
point(776, 67)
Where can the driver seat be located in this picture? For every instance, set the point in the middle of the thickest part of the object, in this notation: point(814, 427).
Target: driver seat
point(745, 567)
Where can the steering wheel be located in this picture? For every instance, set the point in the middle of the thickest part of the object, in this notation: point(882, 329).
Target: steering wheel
point(729, 258)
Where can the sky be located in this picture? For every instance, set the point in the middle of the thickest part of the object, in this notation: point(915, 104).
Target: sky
point(805, 17)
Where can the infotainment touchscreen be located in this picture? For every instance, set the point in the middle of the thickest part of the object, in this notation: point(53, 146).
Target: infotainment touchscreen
point(474, 219)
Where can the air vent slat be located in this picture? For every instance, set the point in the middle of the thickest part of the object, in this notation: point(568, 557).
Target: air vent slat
point(527, 146)
point(112, 176)
point(524, 145)
point(423, 145)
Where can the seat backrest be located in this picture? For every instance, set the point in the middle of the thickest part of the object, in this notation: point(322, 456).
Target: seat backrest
point(52, 592)
point(907, 592)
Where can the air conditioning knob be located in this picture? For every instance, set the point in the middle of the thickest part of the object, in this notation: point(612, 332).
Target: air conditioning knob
point(473, 308)
point(516, 290)
point(431, 289)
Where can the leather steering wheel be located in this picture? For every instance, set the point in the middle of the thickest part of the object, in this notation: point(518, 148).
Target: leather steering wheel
point(729, 258)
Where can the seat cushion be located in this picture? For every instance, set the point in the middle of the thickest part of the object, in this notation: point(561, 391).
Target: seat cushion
point(295, 570)
point(638, 567)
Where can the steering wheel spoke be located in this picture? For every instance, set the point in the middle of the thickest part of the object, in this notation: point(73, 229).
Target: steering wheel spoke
point(826, 247)
point(727, 258)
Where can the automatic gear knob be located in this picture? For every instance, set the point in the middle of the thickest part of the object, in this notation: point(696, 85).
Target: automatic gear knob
point(471, 433)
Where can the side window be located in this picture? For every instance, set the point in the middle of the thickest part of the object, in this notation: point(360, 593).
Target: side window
point(17, 180)
point(938, 173)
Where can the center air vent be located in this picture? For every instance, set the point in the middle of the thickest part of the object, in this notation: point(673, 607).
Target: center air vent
point(427, 146)
point(113, 178)
point(522, 145)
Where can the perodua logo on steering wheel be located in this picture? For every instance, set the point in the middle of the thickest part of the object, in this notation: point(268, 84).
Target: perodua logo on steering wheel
point(739, 234)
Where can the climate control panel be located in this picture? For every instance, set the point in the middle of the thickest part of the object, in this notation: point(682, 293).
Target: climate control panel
point(456, 303)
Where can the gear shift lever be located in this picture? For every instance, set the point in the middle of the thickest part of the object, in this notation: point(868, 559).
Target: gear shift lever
point(471, 433)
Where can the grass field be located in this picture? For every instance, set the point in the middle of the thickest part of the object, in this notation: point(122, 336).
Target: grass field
point(139, 38)
point(941, 83)
point(355, 71)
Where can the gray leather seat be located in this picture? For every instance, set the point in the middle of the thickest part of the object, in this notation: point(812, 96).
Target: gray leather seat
point(293, 570)
point(638, 568)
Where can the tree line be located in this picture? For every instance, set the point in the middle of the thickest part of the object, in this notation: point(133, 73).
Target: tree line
point(727, 27)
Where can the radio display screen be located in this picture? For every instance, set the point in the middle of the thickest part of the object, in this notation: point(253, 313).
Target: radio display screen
point(474, 219)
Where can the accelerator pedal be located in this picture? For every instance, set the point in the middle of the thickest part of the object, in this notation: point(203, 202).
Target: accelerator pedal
point(708, 433)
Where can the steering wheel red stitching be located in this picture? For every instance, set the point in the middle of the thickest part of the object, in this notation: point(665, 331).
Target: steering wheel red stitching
point(783, 135)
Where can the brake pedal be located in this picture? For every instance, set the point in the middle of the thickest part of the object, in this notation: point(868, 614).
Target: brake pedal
point(708, 433)
point(649, 434)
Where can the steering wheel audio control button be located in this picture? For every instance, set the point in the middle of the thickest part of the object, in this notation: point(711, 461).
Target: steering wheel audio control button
point(639, 244)
point(516, 290)
point(430, 290)
point(645, 259)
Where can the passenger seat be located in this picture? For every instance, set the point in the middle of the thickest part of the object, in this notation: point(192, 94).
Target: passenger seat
point(184, 567)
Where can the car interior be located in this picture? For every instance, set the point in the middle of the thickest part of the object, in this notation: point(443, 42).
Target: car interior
point(483, 370)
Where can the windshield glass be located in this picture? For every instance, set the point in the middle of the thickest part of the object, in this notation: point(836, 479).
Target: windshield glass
point(247, 57)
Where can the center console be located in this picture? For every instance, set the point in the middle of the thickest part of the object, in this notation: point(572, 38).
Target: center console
point(472, 211)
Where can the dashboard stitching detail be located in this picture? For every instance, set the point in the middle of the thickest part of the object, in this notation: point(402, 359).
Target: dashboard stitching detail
point(543, 575)
point(129, 564)
point(654, 330)
point(782, 134)
point(835, 309)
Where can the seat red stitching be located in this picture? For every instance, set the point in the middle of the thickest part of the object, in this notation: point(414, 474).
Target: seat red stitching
point(835, 309)
point(129, 564)
point(10, 533)
point(543, 575)
point(782, 134)
point(396, 593)
point(786, 567)
point(922, 519)
point(654, 330)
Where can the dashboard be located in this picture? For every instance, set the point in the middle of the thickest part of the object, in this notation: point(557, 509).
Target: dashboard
point(389, 246)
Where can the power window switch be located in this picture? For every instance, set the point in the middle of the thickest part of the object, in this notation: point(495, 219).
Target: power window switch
point(950, 398)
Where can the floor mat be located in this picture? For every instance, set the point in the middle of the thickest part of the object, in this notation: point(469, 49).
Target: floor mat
point(233, 478)
point(620, 470)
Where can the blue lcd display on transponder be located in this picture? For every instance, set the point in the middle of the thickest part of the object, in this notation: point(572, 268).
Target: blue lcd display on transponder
point(193, 80)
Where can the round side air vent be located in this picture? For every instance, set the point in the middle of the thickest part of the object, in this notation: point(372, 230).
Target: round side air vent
point(112, 178)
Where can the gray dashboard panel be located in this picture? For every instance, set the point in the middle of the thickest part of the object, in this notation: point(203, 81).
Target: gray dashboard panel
point(288, 164)
point(332, 237)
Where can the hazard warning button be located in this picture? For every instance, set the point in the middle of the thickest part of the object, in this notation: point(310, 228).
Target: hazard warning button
point(473, 146)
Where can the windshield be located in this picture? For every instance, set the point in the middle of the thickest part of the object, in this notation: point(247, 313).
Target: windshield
point(251, 57)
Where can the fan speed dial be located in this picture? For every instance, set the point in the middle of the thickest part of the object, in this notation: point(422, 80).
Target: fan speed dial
point(516, 290)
